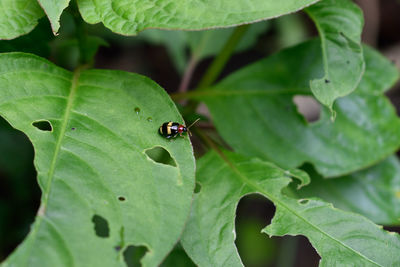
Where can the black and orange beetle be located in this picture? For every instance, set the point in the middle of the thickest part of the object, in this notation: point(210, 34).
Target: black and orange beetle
point(172, 129)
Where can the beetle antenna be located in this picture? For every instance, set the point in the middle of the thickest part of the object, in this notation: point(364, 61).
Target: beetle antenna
point(192, 123)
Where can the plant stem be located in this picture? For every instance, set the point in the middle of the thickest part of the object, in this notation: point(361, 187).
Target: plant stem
point(220, 61)
point(206, 140)
point(81, 36)
point(217, 65)
point(188, 74)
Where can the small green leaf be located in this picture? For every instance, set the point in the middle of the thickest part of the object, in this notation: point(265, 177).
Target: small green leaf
point(253, 110)
point(53, 10)
point(18, 17)
point(341, 238)
point(339, 23)
point(374, 192)
point(101, 192)
point(130, 17)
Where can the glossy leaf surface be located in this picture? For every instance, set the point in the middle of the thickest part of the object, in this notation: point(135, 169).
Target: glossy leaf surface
point(339, 23)
point(101, 192)
point(18, 17)
point(341, 238)
point(254, 112)
point(129, 17)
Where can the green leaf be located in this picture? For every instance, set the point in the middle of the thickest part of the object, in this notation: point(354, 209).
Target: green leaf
point(40, 36)
point(341, 238)
point(291, 30)
point(18, 17)
point(254, 112)
point(101, 192)
point(53, 10)
point(374, 192)
point(339, 23)
point(130, 17)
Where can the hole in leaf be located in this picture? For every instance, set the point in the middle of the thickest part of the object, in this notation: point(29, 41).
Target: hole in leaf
point(160, 155)
point(101, 226)
point(43, 125)
point(308, 107)
point(178, 257)
point(137, 110)
point(254, 212)
point(303, 201)
point(197, 189)
point(133, 255)
point(122, 199)
point(19, 190)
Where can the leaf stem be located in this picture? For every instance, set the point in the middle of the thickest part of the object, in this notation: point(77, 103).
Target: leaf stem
point(187, 76)
point(81, 36)
point(220, 61)
point(217, 65)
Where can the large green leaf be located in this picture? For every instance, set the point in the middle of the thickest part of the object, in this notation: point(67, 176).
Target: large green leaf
point(18, 17)
point(254, 112)
point(129, 17)
point(374, 192)
point(93, 165)
point(339, 23)
point(53, 11)
point(341, 238)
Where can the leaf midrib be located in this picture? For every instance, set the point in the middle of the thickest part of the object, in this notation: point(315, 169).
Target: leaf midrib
point(47, 189)
point(245, 180)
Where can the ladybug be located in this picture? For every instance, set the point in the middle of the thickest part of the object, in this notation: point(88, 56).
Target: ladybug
point(172, 129)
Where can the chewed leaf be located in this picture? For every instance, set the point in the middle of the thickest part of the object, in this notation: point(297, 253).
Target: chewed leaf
point(253, 110)
point(130, 17)
point(341, 238)
point(100, 191)
point(339, 23)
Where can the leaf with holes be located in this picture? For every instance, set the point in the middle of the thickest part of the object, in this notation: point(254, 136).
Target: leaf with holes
point(130, 17)
point(339, 23)
point(18, 17)
point(102, 190)
point(374, 192)
point(341, 238)
point(54, 10)
point(253, 110)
